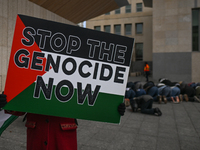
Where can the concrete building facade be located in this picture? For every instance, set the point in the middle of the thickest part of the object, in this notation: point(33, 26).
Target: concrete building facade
point(170, 36)
point(135, 21)
point(174, 39)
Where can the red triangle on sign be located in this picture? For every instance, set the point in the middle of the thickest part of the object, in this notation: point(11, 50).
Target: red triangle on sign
point(18, 79)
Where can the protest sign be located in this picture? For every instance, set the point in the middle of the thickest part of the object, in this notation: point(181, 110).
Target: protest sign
point(68, 71)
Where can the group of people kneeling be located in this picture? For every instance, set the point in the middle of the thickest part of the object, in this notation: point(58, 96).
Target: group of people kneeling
point(141, 95)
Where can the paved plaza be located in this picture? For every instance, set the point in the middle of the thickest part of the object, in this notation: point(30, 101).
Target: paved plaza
point(177, 129)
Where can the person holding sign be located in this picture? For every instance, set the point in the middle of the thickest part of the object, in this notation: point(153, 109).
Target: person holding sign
point(59, 72)
point(50, 132)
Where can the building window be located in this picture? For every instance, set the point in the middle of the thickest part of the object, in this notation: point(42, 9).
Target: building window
point(117, 11)
point(128, 8)
point(195, 29)
point(107, 28)
point(117, 29)
point(128, 29)
point(139, 28)
point(138, 51)
point(98, 28)
point(138, 7)
point(108, 13)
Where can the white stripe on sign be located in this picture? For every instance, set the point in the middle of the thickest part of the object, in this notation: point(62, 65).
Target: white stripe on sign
point(111, 77)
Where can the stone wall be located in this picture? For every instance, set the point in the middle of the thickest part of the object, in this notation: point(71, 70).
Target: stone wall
point(173, 57)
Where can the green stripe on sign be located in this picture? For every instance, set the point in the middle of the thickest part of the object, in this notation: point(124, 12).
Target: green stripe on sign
point(104, 109)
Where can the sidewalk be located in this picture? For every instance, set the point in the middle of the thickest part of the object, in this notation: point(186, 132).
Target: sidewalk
point(177, 129)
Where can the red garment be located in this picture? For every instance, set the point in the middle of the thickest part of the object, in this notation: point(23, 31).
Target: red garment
point(50, 133)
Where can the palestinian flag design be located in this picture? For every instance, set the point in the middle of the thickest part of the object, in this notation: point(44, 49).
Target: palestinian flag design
point(68, 71)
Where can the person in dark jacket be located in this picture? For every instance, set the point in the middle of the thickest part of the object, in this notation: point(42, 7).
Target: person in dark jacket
point(151, 89)
point(187, 92)
point(196, 87)
point(133, 89)
point(145, 103)
point(164, 93)
point(129, 95)
point(139, 89)
point(167, 82)
point(174, 91)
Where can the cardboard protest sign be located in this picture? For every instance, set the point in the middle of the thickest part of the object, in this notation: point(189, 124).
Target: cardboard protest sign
point(68, 71)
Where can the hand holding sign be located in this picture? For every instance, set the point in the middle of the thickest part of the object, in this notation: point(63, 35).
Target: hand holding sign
point(121, 109)
point(3, 101)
